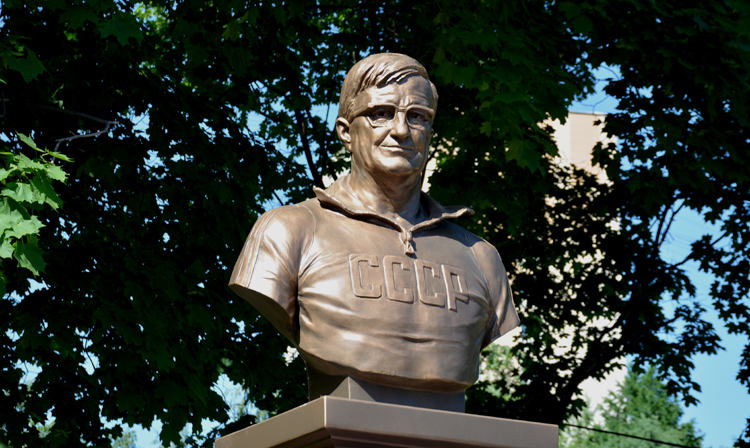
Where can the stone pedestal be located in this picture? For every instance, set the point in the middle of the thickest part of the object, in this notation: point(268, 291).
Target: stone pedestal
point(340, 422)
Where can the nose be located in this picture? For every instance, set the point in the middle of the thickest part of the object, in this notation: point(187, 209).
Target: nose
point(400, 130)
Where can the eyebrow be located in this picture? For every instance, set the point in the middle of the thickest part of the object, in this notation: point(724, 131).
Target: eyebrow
point(369, 105)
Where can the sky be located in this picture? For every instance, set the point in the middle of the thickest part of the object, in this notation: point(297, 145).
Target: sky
point(724, 403)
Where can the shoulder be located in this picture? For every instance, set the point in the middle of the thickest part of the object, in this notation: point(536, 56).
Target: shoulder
point(298, 211)
point(486, 254)
point(276, 243)
point(478, 244)
point(294, 218)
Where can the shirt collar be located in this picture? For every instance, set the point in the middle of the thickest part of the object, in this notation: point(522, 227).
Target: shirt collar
point(339, 196)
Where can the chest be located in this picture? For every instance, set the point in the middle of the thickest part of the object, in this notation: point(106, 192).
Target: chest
point(364, 261)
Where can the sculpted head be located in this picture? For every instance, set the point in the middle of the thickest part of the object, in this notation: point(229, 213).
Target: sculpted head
point(385, 115)
point(377, 71)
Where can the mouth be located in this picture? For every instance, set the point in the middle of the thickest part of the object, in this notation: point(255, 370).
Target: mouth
point(398, 148)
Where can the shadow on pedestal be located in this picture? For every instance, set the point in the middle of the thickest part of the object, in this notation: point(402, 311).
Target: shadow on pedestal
point(320, 384)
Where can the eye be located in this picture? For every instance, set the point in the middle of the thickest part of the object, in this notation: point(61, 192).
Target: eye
point(417, 116)
point(382, 114)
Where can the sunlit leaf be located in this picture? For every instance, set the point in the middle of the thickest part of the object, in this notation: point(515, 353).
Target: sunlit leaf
point(22, 192)
point(29, 256)
point(6, 248)
point(23, 227)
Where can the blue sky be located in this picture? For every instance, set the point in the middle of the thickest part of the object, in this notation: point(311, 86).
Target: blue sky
point(724, 402)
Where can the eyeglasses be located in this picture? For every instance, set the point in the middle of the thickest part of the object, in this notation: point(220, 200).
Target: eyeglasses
point(383, 115)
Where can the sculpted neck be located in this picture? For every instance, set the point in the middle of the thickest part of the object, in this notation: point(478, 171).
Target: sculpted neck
point(397, 197)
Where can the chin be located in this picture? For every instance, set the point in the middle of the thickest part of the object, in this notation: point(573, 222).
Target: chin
point(401, 167)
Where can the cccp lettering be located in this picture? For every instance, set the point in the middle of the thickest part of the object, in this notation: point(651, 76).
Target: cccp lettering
point(404, 279)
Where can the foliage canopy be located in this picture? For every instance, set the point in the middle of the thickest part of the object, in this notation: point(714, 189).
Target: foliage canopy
point(134, 321)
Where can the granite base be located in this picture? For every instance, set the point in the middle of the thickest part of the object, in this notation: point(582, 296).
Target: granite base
point(341, 422)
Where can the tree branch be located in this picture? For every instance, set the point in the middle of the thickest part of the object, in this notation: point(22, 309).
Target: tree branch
point(690, 256)
point(266, 116)
point(599, 353)
point(306, 146)
point(278, 198)
point(70, 112)
point(669, 224)
point(93, 134)
point(107, 123)
point(661, 224)
point(323, 157)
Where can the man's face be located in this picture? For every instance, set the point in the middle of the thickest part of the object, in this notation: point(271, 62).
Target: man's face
point(392, 126)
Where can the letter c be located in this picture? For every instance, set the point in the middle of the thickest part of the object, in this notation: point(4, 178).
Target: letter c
point(355, 272)
point(438, 299)
point(389, 263)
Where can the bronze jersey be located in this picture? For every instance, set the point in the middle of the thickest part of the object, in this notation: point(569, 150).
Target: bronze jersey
point(360, 295)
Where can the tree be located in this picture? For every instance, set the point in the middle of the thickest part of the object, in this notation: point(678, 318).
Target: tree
point(639, 407)
point(126, 440)
point(134, 314)
point(27, 187)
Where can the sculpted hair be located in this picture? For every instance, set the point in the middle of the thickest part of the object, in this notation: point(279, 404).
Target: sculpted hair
point(379, 70)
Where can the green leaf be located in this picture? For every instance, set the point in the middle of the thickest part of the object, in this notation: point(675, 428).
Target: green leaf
point(466, 75)
point(583, 25)
point(56, 173)
point(511, 97)
point(30, 67)
point(21, 192)
point(60, 156)
point(77, 15)
point(280, 16)
point(123, 27)
point(24, 227)
point(8, 218)
point(6, 249)
point(439, 56)
point(25, 164)
point(232, 30)
point(525, 156)
point(4, 174)
point(29, 256)
point(702, 25)
point(486, 128)
point(26, 139)
point(3, 282)
point(44, 190)
point(570, 9)
point(8, 207)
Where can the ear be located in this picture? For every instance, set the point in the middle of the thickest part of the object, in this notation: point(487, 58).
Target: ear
point(342, 129)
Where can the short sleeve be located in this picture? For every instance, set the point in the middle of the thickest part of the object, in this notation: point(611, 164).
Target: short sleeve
point(503, 316)
point(267, 270)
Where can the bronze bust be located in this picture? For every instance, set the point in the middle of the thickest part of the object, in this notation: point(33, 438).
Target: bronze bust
point(370, 280)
